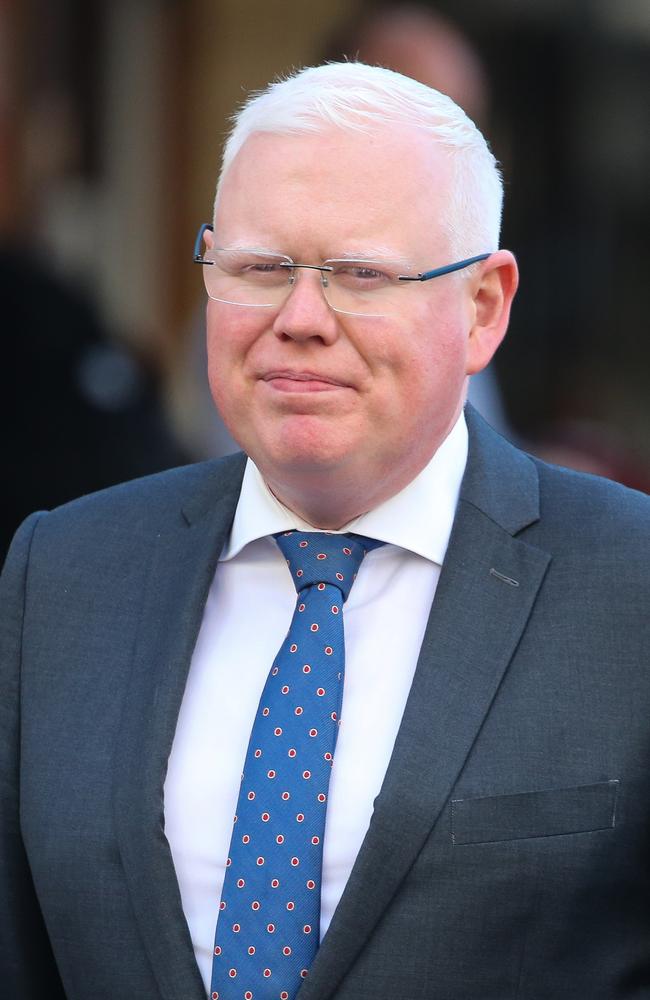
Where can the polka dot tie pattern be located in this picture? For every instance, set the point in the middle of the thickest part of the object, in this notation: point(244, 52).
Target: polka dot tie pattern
point(268, 922)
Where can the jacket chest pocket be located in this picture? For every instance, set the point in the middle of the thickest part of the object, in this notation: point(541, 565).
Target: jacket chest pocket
point(548, 813)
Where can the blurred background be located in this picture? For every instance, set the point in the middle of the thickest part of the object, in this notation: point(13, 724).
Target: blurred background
point(112, 115)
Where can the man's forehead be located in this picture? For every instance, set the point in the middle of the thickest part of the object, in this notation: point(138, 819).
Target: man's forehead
point(378, 150)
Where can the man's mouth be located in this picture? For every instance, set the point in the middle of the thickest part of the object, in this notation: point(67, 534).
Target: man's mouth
point(302, 381)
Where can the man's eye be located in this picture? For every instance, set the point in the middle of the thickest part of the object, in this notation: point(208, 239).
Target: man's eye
point(258, 269)
point(262, 267)
point(362, 274)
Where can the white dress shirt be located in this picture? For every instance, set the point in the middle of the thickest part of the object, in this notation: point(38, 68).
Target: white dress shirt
point(247, 614)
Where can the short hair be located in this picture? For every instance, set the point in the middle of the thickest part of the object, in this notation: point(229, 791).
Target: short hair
point(357, 97)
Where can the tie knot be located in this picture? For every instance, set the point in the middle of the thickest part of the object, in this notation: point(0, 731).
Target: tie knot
point(320, 557)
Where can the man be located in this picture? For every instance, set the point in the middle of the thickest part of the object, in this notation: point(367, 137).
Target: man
point(487, 818)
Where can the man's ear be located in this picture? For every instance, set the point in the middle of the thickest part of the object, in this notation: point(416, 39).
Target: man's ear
point(208, 237)
point(494, 289)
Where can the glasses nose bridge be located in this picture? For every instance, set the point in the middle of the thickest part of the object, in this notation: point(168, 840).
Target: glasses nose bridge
point(324, 270)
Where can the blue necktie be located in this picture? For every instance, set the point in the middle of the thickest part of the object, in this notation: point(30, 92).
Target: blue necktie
point(269, 914)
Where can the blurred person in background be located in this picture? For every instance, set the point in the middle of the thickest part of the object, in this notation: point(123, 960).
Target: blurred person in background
point(80, 407)
point(449, 798)
point(80, 410)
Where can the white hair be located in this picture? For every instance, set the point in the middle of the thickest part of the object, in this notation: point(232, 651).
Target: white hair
point(356, 97)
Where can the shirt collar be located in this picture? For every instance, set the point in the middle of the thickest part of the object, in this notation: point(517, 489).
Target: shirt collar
point(418, 518)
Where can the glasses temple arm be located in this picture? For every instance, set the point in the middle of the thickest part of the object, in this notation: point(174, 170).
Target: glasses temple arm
point(447, 269)
point(197, 256)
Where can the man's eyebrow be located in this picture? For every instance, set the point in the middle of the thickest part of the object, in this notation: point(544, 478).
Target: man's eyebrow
point(378, 253)
point(253, 247)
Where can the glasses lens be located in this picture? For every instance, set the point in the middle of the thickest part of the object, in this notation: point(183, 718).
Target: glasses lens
point(246, 278)
point(363, 287)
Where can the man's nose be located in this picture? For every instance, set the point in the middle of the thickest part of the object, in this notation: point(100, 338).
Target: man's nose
point(305, 312)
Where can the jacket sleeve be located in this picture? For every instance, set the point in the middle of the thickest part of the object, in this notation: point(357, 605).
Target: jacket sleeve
point(27, 967)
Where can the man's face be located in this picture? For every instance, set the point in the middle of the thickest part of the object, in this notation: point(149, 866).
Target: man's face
point(321, 399)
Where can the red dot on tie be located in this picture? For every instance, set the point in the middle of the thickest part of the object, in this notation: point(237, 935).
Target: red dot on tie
point(222, 905)
point(215, 996)
point(251, 950)
point(240, 883)
point(313, 732)
point(339, 576)
point(292, 752)
point(232, 973)
point(300, 817)
point(266, 973)
point(275, 882)
point(347, 551)
point(327, 756)
point(270, 774)
point(248, 995)
point(315, 840)
point(304, 973)
point(314, 627)
point(291, 905)
point(306, 775)
point(217, 950)
point(258, 753)
point(298, 572)
point(228, 862)
point(310, 883)
point(321, 555)
point(321, 586)
point(295, 862)
point(285, 689)
point(266, 817)
point(328, 650)
point(286, 796)
point(270, 928)
point(260, 862)
point(306, 669)
point(303, 544)
point(335, 609)
point(333, 716)
point(279, 839)
point(298, 710)
point(277, 731)
point(236, 928)
point(301, 607)
point(265, 711)
point(246, 839)
point(307, 929)
point(320, 692)
point(251, 796)
point(255, 905)
point(284, 995)
point(275, 671)
point(293, 647)
point(286, 950)
point(321, 797)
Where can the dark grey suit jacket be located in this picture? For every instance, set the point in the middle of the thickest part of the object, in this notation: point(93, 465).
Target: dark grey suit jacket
point(507, 857)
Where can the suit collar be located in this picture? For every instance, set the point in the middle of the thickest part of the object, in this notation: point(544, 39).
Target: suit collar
point(186, 545)
point(500, 480)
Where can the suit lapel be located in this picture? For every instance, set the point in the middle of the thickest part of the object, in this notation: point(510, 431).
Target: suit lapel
point(486, 591)
point(182, 568)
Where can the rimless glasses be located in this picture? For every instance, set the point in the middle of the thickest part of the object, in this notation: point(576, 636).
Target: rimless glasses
point(257, 279)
